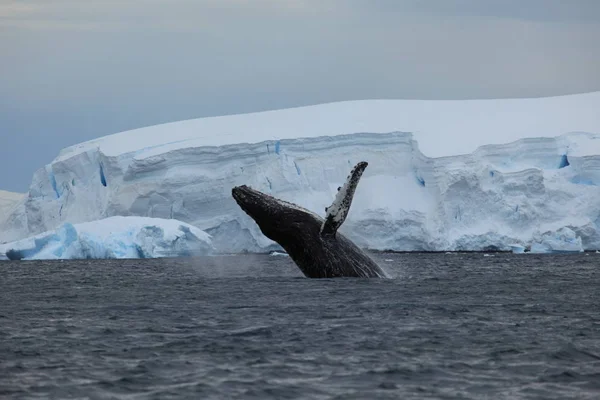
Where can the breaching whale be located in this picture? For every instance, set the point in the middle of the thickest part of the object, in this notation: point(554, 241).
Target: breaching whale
point(314, 243)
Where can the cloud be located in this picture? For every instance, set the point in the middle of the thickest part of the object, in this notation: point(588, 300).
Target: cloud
point(579, 11)
point(172, 15)
point(302, 51)
point(73, 70)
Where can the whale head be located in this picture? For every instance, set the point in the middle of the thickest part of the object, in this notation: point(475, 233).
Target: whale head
point(278, 220)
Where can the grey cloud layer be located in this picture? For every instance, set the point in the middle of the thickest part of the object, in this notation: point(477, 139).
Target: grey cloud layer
point(76, 70)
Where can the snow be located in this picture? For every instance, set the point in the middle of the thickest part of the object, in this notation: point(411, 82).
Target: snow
point(115, 237)
point(8, 201)
point(442, 127)
point(442, 175)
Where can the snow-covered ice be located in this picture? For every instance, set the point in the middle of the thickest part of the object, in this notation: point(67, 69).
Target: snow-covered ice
point(562, 241)
point(8, 202)
point(517, 248)
point(442, 175)
point(115, 237)
point(278, 254)
point(442, 127)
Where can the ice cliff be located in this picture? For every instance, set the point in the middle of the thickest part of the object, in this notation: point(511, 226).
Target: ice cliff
point(115, 237)
point(442, 175)
point(8, 201)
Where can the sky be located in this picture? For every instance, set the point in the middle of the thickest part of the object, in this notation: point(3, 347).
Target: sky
point(73, 70)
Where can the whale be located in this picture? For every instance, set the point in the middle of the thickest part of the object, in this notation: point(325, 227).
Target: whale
point(312, 242)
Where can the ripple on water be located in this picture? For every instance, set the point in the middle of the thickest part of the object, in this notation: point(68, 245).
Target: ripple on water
point(459, 325)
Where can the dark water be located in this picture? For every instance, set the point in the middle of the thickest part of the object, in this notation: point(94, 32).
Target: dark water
point(447, 326)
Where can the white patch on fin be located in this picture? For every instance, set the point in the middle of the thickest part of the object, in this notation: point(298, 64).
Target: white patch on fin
point(338, 210)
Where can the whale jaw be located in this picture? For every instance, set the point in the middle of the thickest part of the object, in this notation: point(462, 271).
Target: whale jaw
point(278, 220)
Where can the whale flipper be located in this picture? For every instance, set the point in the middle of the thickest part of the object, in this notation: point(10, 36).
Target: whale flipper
point(338, 210)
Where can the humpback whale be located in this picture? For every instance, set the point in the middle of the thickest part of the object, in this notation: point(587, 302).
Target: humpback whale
point(313, 242)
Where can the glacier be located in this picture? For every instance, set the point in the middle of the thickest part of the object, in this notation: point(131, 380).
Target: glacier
point(442, 176)
point(8, 201)
point(114, 237)
point(562, 241)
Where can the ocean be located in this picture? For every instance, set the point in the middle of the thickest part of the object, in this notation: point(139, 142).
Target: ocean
point(451, 326)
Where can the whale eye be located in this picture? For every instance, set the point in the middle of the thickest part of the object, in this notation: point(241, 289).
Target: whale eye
point(339, 188)
point(326, 208)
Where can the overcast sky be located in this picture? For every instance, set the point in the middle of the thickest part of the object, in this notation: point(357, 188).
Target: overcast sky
point(73, 70)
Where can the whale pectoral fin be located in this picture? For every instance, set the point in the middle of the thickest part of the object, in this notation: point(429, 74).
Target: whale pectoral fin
point(336, 213)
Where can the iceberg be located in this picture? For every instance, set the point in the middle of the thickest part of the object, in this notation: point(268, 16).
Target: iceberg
point(114, 237)
point(517, 248)
point(8, 202)
point(562, 241)
point(442, 176)
point(278, 254)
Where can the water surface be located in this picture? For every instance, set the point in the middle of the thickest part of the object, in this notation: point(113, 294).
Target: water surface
point(446, 326)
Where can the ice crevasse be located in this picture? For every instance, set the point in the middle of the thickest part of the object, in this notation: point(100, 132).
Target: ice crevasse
point(442, 175)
